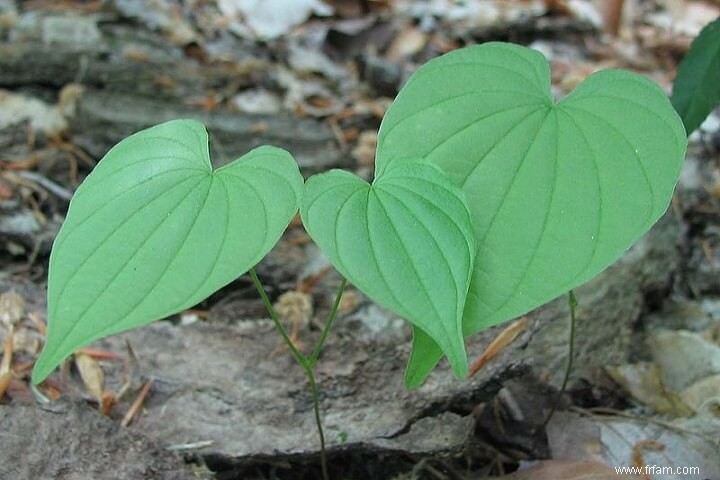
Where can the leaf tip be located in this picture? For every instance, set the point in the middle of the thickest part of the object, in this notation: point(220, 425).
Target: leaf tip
point(412, 382)
point(42, 368)
point(459, 362)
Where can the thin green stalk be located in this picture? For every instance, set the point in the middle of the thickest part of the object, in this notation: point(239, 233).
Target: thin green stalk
point(313, 358)
point(306, 363)
point(318, 421)
point(572, 303)
point(273, 315)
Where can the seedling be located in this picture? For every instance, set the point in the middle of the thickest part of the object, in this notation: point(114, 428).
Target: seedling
point(489, 199)
point(557, 190)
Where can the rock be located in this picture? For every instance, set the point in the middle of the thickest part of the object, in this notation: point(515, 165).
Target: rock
point(84, 445)
point(103, 119)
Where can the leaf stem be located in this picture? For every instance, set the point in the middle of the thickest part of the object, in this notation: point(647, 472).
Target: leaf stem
point(306, 362)
point(313, 358)
point(572, 303)
point(318, 421)
point(274, 316)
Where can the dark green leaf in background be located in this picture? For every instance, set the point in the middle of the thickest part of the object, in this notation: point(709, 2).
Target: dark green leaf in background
point(696, 91)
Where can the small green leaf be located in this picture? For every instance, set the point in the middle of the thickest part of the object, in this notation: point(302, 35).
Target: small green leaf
point(153, 230)
point(424, 356)
point(406, 241)
point(697, 86)
point(557, 191)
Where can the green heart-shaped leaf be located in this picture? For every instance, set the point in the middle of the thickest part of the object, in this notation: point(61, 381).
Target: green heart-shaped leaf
point(406, 241)
point(557, 191)
point(154, 230)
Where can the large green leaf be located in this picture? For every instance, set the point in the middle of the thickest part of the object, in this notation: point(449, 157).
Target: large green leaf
point(557, 191)
point(154, 230)
point(697, 86)
point(406, 241)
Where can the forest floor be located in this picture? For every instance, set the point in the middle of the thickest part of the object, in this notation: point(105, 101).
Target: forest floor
point(209, 393)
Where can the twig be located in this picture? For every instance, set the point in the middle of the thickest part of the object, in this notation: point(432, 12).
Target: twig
point(496, 346)
point(49, 185)
point(181, 447)
point(137, 404)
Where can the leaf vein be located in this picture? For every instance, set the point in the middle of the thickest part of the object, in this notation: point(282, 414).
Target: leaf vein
point(339, 260)
point(94, 301)
point(373, 254)
point(536, 247)
point(384, 134)
point(446, 262)
point(640, 164)
point(96, 210)
point(514, 174)
point(413, 267)
point(475, 121)
point(167, 266)
point(595, 163)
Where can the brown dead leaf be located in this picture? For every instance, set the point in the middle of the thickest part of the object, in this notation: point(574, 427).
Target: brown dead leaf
point(137, 404)
point(16, 164)
point(407, 43)
point(92, 375)
point(100, 354)
point(6, 190)
point(295, 306)
point(714, 188)
point(364, 151)
point(347, 8)
point(5, 380)
point(12, 308)
point(7, 353)
point(45, 393)
point(136, 55)
point(638, 459)
point(259, 127)
point(612, 15)
point(501, 341)
point(131, 375)
point(308, 283)
point(348, 302)
point(38, 322)
point(683, 356)
point(165, 82)
point(17, 108)
point(566, 470)
point(700, 393)
point(350, 134)
point(643, 381)
point(107, 403)
point(69, 96)
point(210, 102)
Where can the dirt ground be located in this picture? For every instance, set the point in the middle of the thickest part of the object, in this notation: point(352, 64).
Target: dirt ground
point(216, 395)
